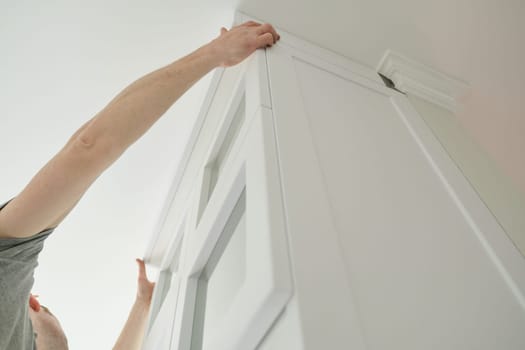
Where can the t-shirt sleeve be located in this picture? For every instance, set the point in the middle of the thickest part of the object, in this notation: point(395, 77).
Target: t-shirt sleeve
point(18, 260)
point(22, 249)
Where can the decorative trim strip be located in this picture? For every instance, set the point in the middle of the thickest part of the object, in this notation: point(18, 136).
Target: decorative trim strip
point(328, 57)
point(415, 78)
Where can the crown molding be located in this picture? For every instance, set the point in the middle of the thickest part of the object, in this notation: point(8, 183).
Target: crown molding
point(417, 79)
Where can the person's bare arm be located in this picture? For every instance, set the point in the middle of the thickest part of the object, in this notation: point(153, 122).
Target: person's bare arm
point(132, 334)
point(60, 184)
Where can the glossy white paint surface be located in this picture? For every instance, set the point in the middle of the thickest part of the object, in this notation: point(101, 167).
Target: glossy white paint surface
point(235, 268)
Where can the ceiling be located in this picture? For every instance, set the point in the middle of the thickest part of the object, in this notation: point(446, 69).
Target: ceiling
point(62, 61)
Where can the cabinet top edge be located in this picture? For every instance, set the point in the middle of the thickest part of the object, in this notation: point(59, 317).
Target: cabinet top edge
point(302, 47)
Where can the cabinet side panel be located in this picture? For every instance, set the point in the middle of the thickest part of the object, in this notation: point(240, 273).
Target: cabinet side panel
point(420, 277)
point(327, 317)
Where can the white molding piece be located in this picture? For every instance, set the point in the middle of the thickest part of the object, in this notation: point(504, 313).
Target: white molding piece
point(415, 78)
point(305, 47)
point(188, 150)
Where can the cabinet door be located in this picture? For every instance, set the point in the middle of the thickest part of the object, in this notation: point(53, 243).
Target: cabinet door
point(237, 277)
point(159, 335)
point(392, 247)
point(165, 297)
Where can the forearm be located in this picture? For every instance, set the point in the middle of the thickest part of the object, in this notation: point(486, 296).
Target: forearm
point(133, 332)
point(131, 113)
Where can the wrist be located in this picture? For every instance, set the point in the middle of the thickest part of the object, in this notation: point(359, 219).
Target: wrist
point(211, 51)
point(143, 302)
point(200, 61)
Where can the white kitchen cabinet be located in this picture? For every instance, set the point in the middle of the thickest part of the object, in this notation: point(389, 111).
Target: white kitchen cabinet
point(316, 210)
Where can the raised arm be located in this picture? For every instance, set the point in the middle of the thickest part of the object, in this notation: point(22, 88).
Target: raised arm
point(60, 184)
point(132, 334)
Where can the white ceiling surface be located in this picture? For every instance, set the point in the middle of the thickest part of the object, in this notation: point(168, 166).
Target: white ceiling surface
point(61, 62)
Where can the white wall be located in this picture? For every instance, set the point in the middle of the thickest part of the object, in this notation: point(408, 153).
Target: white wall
point(504, 198)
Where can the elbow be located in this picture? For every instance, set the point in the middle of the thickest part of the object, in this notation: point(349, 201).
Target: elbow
point(96, 143)
point(92, 150)
point(84, 141)
point(89, 142)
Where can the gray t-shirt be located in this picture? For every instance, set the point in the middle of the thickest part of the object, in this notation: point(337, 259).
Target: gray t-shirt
point(18, 260)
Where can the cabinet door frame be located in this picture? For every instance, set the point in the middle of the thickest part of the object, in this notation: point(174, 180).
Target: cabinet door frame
point(252, 166)
point(166, 293)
